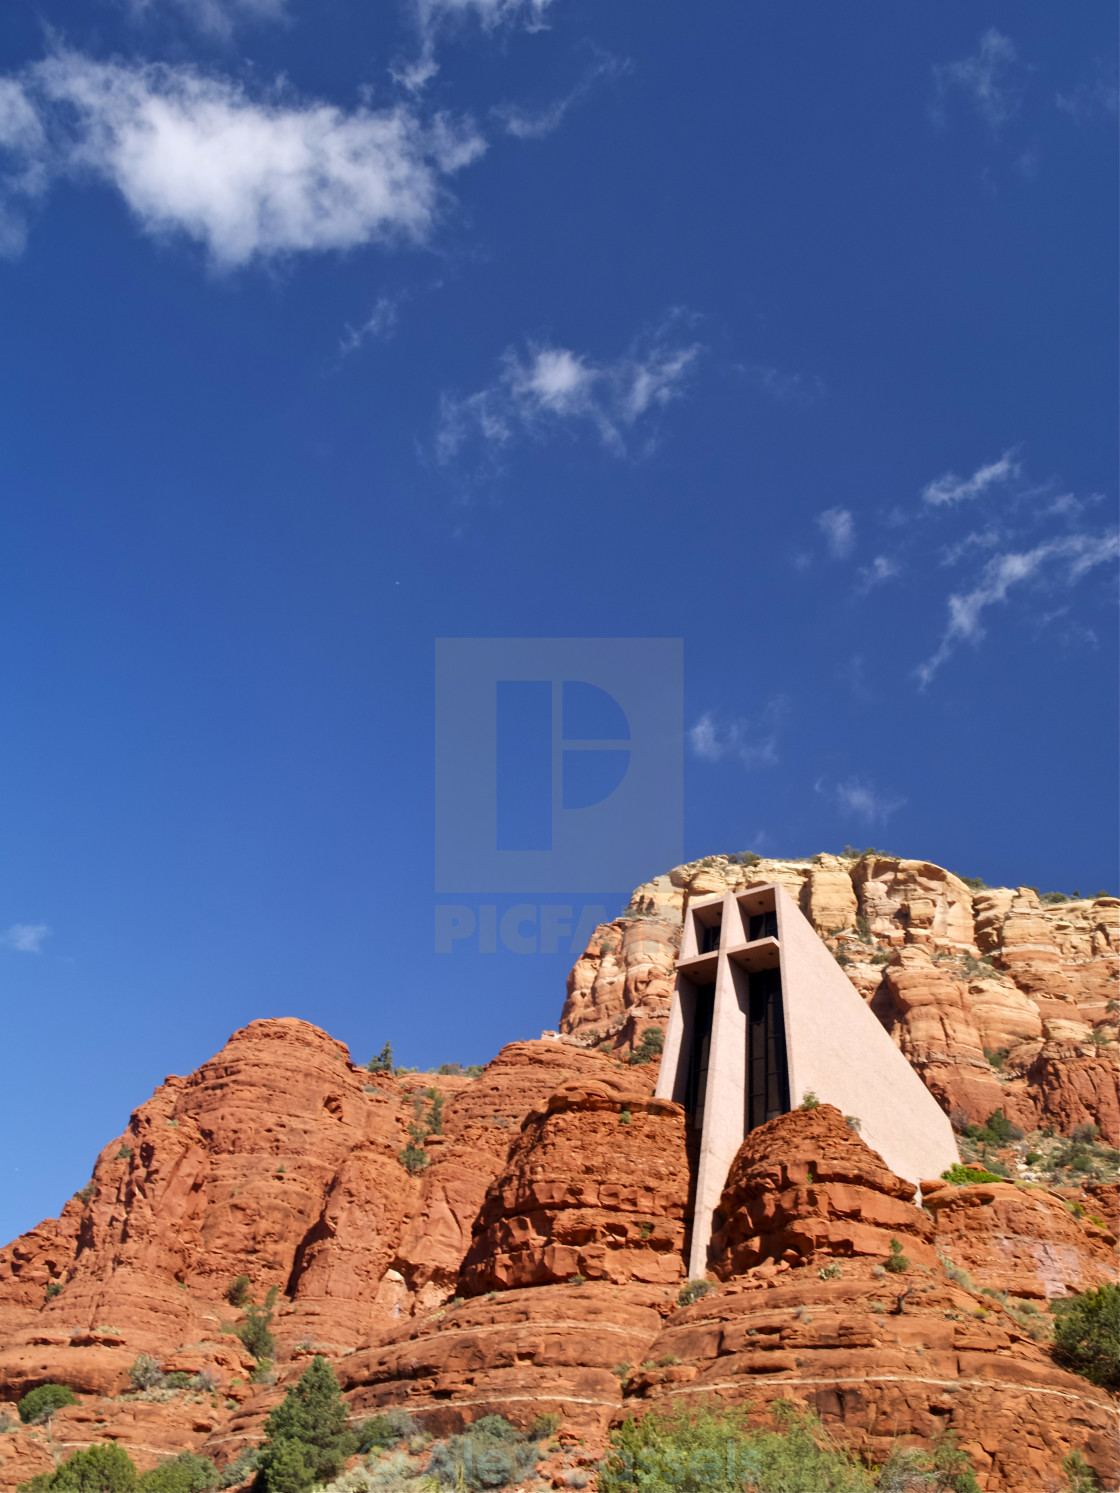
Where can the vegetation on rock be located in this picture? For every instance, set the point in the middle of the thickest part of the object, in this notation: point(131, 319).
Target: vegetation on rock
point(308, 1439)
point(40, 1404)
point(1087, 1334)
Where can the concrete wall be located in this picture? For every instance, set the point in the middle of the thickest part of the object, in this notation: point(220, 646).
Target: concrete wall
point(838, 1049)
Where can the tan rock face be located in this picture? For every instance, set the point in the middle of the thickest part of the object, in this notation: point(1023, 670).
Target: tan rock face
point(596, 1185)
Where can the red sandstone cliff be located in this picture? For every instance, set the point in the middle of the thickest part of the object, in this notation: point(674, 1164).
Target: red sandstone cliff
point(555, 1201)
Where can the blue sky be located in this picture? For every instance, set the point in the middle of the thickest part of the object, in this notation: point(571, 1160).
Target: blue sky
point(332, 329)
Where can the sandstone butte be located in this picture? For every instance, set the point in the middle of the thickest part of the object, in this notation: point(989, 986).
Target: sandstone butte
point(534, 1264)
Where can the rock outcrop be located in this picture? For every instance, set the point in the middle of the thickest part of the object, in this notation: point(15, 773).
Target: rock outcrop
point(596, 1186)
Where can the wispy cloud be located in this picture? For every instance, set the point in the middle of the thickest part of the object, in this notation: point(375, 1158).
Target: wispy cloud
point(248, 178)
point(751, 743)
point(882, 568)
point(839, 529)
point(436, 16)
point(785, 388)
point(25, 938)
point(857, 798)
point(534, 124)
point(550, 387)
point(1055, 563)
point(218, 17)
point(1095, 98)
point(379, 326)
point(949, 488)
point(993, 80)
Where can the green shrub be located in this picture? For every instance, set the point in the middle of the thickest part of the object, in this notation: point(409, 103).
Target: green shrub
point(545, 1426)
point(693, 1290)
point(383, 1062)
point(254, 1331)
point(810, 1101)
point(976, 883)
point(649, 1047)
point(237, 1471)
point(491, 1454)
point(385, 1430)
point(189, 1472)
point(413, 1158)
point(897, 1262)
point(106, 1468)
point(145, 1372)
point(87, 1193)
point(474, 1070)
point(1087, 1334)
point(624, 1117)
point(940, 1467)
point(448, 1070)
point(1080, 1477)
point(831, 1272)
point(1032, 1158)
point(997, 1058)
point(125, 1153)
point(715, 1451)
point(40, 1404)
point(964, 1176)
point(307, 1436)
point(53, 1288)
point(237, 1292)
point(997, 1130)
point(178, 1380)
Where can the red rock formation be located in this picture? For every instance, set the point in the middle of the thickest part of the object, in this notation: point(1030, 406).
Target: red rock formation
point(520, 1354)
point(809, 1312)
point(1022, 1240)
point(596, 1185)
point(805, 1184)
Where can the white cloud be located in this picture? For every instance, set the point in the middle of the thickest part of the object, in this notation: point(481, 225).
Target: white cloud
point(839, 529)
point(1094, 99)
point(534, 124)
point(752, 743)
point(379, 326)
point(949, 488)
point(25, 938)
point(434, 16)
point(993, 80)
point(858, 799)
point(551, 386)
point(786, 388)
point(248, 178)
point(1054, 562)
point(218, 17)
point(882, 568)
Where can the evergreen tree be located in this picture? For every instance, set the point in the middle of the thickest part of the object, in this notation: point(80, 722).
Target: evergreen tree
point(308, 1440)
point(98, 1469)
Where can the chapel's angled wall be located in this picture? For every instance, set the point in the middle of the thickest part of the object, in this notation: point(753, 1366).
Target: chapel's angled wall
point(838, 1050)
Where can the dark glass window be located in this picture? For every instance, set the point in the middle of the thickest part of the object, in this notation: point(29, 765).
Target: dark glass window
point(697, 1084)
point(709, 939)
point(767, 1070)
point(764, 925)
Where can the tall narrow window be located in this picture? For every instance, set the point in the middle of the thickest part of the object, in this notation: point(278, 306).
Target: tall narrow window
point(709, 939)
point(697, 1084)
point(767, 1070)
point(764, 925)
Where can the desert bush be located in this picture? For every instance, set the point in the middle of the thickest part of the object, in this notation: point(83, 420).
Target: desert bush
point(692, 1290)
point(145, 1372)
point(997, 1057)
point(545, 1426)
point(715, 1451)
point(237, 1292)
point(831, 1272)
point(386, 1430)
point(254, 1331)
point(104, 1468)
point(40, 1404)
point(189, 1472)
point(53, 1288)
point(383, 1062)
point(965, 1176)
point(1087, 1334)
point(237, 1471)
point(809, 1100)
point(491, 1454)
point(897, 1262)
point(649, 1047)
point(1080, 1477)
point(940, 1467)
